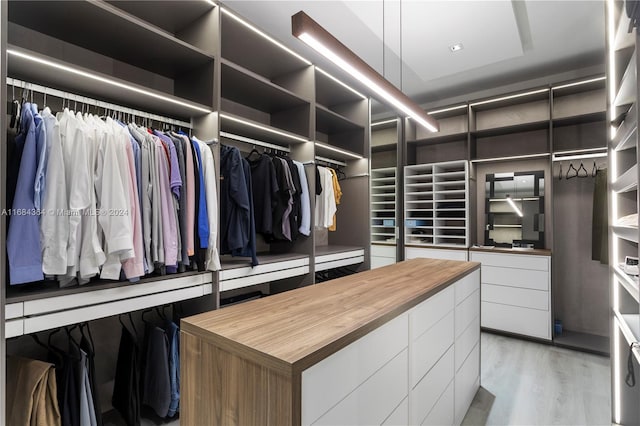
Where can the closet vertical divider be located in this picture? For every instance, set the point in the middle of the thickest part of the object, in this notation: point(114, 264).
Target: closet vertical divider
point(3, 206)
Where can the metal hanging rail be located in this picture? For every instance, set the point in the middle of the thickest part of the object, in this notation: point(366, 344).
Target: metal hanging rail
point(48, 91)
point(253, 141)
point(579, 154)
point(331, 161)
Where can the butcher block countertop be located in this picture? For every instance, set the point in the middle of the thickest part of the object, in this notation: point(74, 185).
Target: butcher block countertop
point(294, 330)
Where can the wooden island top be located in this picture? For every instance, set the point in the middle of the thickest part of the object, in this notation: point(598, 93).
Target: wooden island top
point(294, 330)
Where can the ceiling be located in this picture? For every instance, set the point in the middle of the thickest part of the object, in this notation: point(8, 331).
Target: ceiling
point(504, 42)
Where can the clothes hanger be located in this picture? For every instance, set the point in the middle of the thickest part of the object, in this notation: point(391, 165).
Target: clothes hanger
point(560, 174)
point(569, 171)
point(38, 342)
point(594, 171)
point(146, 311)
point(581, 169)
point(253, 151)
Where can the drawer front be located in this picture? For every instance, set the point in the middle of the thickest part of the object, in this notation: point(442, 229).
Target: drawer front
point(442, 413)
point(426, 314)
point(427, 349)
point(523, 297)
point(400, 416)
point(414, 252)
point(13, 328)
point(429, 390)
point(467, 341)
point(466, 286)
point(373, 401)
point(467, 384)
point(466, 312)
point(379, 262)
point(383, 251)
point(538, 263)
point(332, 379)
point(13, 310)
point(529, 322)
point(522, 278)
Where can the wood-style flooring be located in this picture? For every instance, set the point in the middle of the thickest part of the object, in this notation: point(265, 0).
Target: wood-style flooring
point(528, 383)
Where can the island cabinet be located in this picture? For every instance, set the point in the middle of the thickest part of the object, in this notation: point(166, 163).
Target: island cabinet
point(395, 345)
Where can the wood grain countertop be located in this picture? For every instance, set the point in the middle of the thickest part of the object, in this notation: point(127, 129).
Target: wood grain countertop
point(516, 250)
point(293, 330)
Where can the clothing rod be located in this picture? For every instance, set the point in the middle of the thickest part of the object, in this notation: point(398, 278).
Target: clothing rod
point(253, 141)
point(330, 161)
point(97, 103)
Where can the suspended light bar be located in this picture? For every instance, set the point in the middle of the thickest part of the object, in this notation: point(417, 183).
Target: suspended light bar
point(309, 31)
point(513, 206)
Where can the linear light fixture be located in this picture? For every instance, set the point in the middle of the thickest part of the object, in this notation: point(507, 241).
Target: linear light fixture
point(310, 32)
point(95, 77)
point(513, 206)
point(380, 123)
point(453, 108)
point(513, 157)
point(262, 34)
point(505, 98)
point(578, 83)
point(579, 156)
point(341, 151)
point(264, 128)
point(346, 86)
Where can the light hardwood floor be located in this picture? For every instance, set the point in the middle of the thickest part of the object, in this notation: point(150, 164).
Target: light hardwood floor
point(527, 383)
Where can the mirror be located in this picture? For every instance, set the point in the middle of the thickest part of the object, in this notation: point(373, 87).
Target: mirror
point(514, 209)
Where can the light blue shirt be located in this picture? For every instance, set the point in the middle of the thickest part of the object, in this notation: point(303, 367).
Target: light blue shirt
point(23, 237)
point(42, 154)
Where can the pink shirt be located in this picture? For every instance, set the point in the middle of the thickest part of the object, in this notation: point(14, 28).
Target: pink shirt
point(169, 225)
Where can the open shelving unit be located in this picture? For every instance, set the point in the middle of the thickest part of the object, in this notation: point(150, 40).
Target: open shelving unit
point(437, 204)
point(622, 88)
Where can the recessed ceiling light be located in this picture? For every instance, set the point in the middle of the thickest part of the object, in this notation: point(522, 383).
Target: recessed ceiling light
point(456, 47)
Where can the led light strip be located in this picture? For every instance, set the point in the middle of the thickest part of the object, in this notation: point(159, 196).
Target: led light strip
point(341, 83)
point(380, 123)
point(579, 156)
point(261, 127)
point(578, 83)
point(453, 108)
point(341, 151)
point(253, 141)
point(94, 77)
point(515, 157)
point(263, 35)
point(330, 160)
point(504, 98)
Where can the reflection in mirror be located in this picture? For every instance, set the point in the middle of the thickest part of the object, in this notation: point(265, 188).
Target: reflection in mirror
point(514, 206)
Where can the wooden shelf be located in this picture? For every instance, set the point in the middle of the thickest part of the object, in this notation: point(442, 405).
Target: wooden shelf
point(247, 88)
point(330, 122)
point(628, 181)
point(626, 94)
point(106, 88)
point(629, 282)
point(627, 133)
point(384, 148)
point(623, 38)
point(580, 119)
point(252, 129)
point(245, 47)
point(330, 93)
point(437, 138)
point(628, 233)
point(335, 155)
point(113, 30)
point(172, 16)
point(516, 128)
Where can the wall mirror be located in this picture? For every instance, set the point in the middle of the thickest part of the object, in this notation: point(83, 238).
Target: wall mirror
point(514, 206)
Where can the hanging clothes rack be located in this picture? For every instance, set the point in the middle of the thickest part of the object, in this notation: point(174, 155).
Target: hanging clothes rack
point(48, 91)
point(253, 142)
point(331, 161)
point(579, 154)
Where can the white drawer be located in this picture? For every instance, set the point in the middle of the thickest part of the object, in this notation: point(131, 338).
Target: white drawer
point(373, 401)
point(529, 322)
point(504, 260)
point(379, 262)
point(400, 416)
point(425, 395)
point(332, 379)
point(429, 347)
point(467, 384)
point(467, 340)
point(523, 297)
point(522, 278)
point(13, 328)
point(466, 312)
point(13, 310)
point(442, 413)
point(467, 285)
point(383, 251)
point(414, 252)
point(429, 312)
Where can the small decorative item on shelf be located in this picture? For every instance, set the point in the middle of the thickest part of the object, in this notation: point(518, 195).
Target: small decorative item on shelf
point(557, 327)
